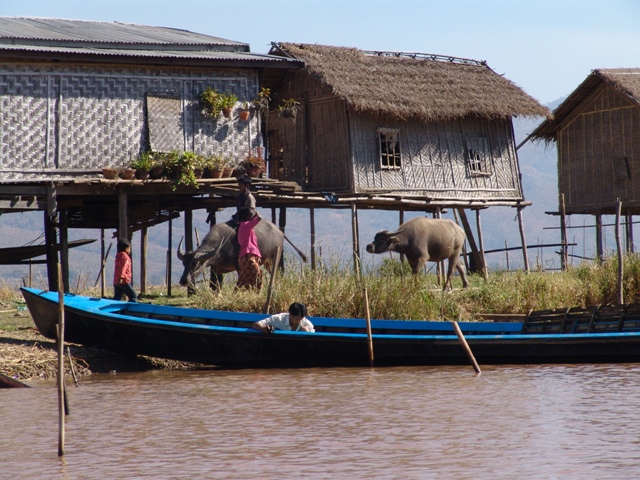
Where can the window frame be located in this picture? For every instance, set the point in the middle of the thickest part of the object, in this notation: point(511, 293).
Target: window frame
point(478, 158)
point(389, 160)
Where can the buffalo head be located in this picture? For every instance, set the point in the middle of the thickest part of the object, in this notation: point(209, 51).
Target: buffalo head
point(383, 242)
point(193, 263)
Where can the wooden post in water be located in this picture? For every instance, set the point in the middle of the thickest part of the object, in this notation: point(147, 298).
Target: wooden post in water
point(465, 345)
point(563, 235)
point(274, 268)
point(367, 316)
point(620, 254)
point(61, 402)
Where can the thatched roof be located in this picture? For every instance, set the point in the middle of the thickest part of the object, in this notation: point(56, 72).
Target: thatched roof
point(624, 80)
point(428, 87)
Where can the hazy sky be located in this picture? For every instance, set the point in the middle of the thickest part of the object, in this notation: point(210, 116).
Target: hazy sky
point(547, 47)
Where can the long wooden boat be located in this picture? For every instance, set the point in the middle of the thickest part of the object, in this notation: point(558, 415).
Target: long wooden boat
point(594, 334)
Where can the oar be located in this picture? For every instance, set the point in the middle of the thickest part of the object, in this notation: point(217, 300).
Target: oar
point(465, 345)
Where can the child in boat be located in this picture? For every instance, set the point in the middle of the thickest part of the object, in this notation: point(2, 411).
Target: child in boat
point(295, 320)
point(249, 259)
point(122, 274)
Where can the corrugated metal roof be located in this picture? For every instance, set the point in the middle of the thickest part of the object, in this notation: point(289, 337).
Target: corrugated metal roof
point(165, 53)
point(62, 32)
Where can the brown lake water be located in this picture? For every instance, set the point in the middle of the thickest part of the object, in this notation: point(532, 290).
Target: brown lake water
point(512, 422)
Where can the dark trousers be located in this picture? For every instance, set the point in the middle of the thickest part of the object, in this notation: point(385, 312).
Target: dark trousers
point(124, 288)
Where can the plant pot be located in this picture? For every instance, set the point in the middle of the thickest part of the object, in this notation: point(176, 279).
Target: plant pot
point(254, 171)
point(216, 172)
point(289, 113)
point(142, 174)
point(156, 172)
point(226, 112)
point(127, 173)
point(110, 173)
point(227, 172)
point(198, 172)
point(244, 115)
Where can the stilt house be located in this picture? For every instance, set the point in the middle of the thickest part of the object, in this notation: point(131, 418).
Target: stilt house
point(78, 96)
point(598, 140)
point(396, 126)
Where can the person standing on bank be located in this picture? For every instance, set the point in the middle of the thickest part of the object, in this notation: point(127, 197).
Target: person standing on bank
point(123, 274)
point(249, 258)
point(246, 200)
point(295, 320)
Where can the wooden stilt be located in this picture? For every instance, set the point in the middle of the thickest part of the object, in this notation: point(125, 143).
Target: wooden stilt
point(312, 228)
point(475, 263)
point(481, 243)
point(599, 243)
point(355, 242)
point(64, 249)
point(169, 248)
point(525, 253)
point(620, 254)
point(144, 242)
point(563, 234)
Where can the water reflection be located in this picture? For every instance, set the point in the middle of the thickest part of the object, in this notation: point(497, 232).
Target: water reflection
point(416, 422)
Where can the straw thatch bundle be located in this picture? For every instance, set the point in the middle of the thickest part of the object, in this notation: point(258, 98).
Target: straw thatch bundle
point(413, 86)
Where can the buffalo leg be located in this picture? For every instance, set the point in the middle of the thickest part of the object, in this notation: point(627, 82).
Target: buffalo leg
point(215, 280)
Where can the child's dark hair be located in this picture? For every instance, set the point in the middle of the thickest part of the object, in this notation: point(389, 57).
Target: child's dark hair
point(298, 309)
point(245, 180)
point(123, 245)
point(245, 214)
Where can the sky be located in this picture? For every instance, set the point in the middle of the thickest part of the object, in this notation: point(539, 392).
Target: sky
point(546, 47)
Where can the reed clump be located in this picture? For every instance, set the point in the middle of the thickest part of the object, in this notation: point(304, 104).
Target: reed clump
point(333, 290)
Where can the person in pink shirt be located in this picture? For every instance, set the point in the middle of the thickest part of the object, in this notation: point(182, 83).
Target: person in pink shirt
point(249, 259)
point(122, 273)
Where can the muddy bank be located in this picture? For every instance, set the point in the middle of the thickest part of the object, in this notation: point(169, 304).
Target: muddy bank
point(27, 355)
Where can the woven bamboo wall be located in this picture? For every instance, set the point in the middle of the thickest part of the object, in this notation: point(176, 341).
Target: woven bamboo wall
point(434, 159)
point(72, 119)
point(315, 146)
point(599, 154)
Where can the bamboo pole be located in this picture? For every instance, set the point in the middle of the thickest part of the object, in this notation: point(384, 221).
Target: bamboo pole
point(563, 234)
point(525, 253)
point(61, 392)
point(466, 347)
point(620, 254)
point(367, 316)
point(274, 267)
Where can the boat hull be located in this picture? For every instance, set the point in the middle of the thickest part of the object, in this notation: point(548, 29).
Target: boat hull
point(224, 339)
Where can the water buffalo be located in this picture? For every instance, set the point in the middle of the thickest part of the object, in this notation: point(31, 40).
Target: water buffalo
point(219, 249)
point(424, 240)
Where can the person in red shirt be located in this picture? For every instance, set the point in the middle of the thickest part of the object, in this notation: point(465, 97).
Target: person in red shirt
point(122, 273)
point(249, 259)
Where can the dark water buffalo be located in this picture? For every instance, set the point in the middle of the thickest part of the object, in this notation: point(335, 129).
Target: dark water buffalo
point(219, 249)
point(424, 240)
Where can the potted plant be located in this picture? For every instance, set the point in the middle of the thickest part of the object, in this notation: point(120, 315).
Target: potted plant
point(227, 101)
point(229, 167)
point(245, 112)
point(110, 173)
point(288, 108)
point(254, 164)
point(214, 166)
point(261, 102)
point(143, 165)
point(210, 103)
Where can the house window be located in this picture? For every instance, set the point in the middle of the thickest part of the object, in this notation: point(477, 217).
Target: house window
point(621, 169)
point(478, 156)
point(389, 141)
